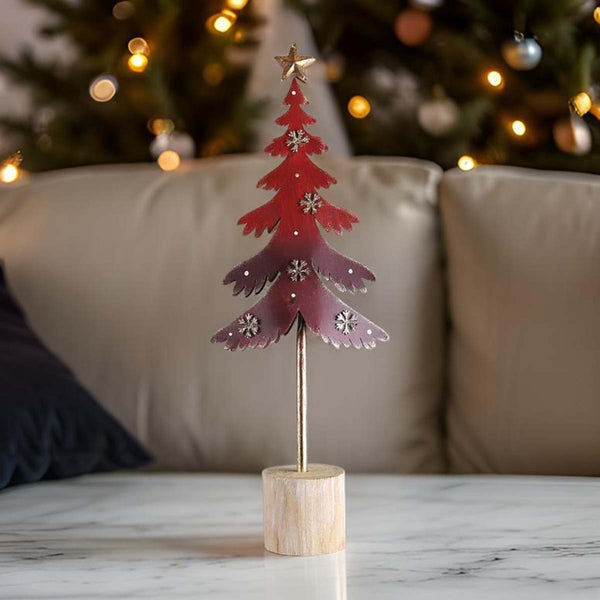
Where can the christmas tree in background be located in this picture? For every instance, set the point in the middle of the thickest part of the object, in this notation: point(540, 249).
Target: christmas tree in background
point(297, 252)
point(139, 73)
point(502, 82)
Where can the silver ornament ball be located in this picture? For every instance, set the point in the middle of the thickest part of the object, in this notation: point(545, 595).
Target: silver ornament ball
point(438, 116)
point(572, 135)
point(521, 53)
point(178, 141)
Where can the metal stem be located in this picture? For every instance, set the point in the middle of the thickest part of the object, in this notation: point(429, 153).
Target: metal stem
point(301, 393)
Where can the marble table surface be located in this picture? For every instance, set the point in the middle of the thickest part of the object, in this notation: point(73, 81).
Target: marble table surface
point(198, 536)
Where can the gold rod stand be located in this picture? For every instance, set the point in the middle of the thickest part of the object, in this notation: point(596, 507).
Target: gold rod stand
point(301, 393)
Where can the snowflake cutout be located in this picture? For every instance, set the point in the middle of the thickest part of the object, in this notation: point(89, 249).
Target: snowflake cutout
point(345, 322)
point(296, 139)
point(310, 203)
point(298, 269)
point(249, 325)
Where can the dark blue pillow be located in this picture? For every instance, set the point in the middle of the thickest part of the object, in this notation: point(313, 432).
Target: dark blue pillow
point(50, 426)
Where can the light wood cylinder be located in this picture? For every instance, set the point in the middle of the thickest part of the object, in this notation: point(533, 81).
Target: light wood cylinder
point(304, 513)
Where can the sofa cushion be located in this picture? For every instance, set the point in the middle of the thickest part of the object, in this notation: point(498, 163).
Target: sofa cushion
point(120, 270)
point(50, 427)
point(524, 284)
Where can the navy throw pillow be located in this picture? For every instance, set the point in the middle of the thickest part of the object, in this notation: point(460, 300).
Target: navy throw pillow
point(50, 426)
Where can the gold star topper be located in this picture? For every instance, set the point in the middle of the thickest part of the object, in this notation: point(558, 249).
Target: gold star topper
point(295, 65)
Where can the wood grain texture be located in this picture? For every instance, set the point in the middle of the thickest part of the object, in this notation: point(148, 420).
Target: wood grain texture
point(304, 513)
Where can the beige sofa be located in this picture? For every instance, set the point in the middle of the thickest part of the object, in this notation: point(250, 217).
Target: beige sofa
point(488, 283)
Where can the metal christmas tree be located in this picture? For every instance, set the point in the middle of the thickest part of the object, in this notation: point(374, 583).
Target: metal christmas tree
point(295, 260)
point(297, 254)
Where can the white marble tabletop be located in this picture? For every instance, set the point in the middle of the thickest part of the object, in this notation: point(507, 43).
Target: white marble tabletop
point(199, 536)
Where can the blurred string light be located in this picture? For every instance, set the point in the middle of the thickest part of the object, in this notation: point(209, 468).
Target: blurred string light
point(236, 4)
point(518, 128)
point(138, 45)
point(123, 10)
point(159, 126)
point(103, 88)
point(9, 168)
point(581, 103)
point(221, 22)
point(169, 160)
point(597, 14)
point(359, 107)
point(466, 163)
point(138, 61)
point(495, 79)
point(213, 73)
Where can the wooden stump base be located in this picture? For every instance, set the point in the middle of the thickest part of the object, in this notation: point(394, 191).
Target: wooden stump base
point(304, 513)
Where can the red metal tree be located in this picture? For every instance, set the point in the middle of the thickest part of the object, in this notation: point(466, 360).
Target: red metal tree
point(297, 256)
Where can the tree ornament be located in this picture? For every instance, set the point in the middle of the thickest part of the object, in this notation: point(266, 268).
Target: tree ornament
point(521, 53)
point(426, 4)
point(413, 26)
point(581, 103)
point(572, 135)
point(298, 270)
point(439, 115)
point(249, 325)
point(311, 203)
point(294, 65)
point(345, 322)
point(298, 294)
point(296, 139)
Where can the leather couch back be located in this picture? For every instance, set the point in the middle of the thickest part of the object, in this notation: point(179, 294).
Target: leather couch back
point(119, 270)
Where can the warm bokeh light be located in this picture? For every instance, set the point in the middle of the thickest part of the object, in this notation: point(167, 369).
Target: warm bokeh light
point(494, 78)
point(138, 45)
point(159, 126)
point(518, 127)
point(168, 160)
point(359, 107)
point(597, 14)
point(103, 88)
point(581, 103)
point(9, 173)
point(221, 22)
point(466, 162)
point(213, 73)
point(137, 63)
point(123, 10)
point(236, 4)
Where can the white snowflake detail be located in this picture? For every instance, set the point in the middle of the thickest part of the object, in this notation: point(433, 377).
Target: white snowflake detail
point(345, 322)
point(298, 269)
point(296, 139)
point(311, 203)
point(249, 325)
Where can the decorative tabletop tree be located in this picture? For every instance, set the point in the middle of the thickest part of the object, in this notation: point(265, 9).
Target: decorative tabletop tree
point(295, 260)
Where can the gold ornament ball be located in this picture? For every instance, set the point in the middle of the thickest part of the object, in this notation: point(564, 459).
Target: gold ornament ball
point(597, 14)
point(169, 160)
point(413, 27)
point(581, 103)
point(572, 135)
point(359, 107)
